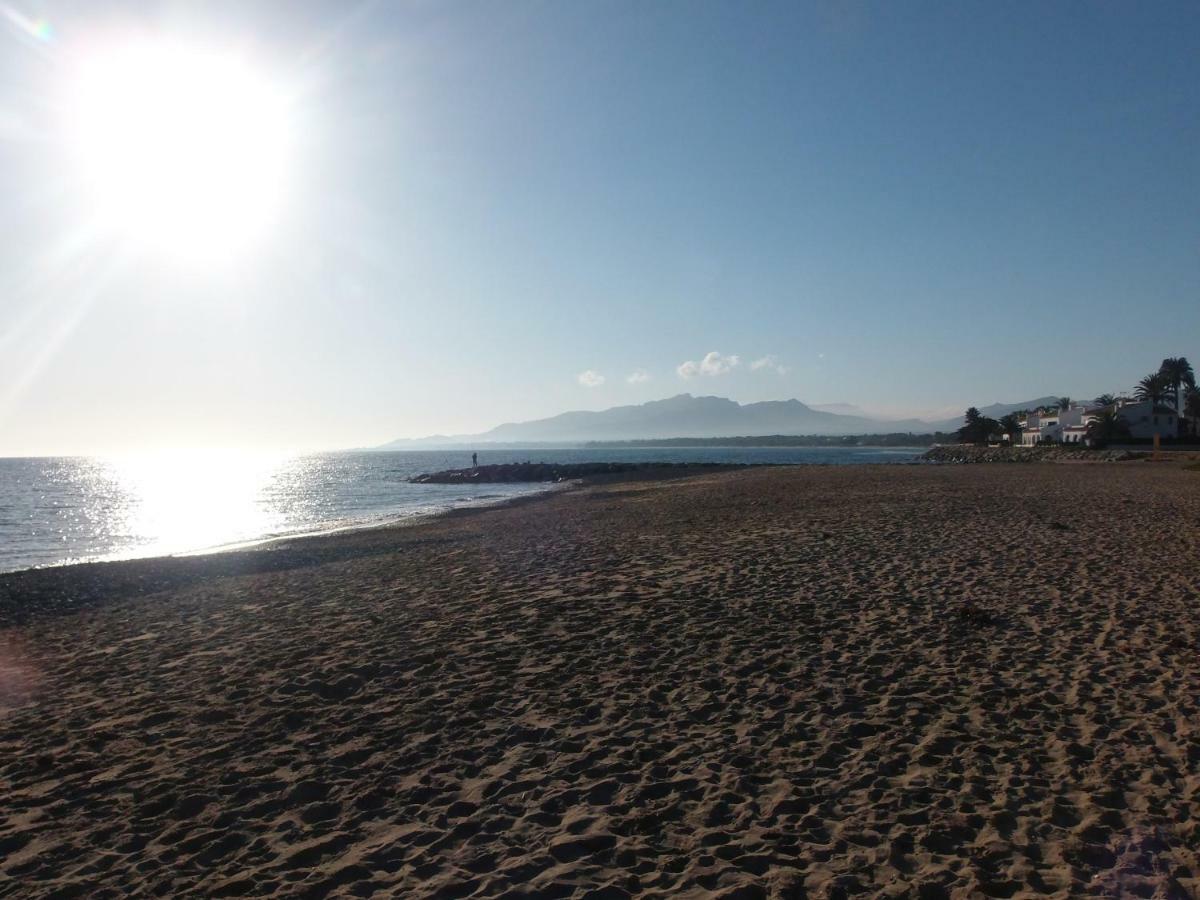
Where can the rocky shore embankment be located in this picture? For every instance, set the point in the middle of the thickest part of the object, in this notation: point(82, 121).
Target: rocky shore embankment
point(970, 453)
point(542, 472)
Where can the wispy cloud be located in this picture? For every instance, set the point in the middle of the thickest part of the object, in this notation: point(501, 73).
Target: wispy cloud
point(638, 377)
point(591, 378)
point(771, 363)
point(712, 364)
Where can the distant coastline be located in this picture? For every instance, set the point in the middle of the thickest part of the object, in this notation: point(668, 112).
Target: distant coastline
point(707, 421)
point(896, 439)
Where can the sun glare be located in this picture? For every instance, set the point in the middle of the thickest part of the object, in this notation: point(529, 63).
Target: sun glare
point(180, 148)
point(181, 501)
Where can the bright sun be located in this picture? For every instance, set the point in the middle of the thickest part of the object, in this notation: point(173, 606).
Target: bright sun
point(181, 149)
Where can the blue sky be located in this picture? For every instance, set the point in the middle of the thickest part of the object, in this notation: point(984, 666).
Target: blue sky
point(911, 207)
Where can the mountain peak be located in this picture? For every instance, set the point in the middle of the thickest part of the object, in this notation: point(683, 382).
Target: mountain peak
point(687, 416)
point(683, 415)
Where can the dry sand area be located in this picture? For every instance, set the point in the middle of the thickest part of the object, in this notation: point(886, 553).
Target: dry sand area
point(806, 682)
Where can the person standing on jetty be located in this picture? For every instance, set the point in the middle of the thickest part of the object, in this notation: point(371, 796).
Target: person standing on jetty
point(474, 460)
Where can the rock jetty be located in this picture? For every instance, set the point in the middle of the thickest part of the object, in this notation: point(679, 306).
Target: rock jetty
point(970, 453)
point(541, 471)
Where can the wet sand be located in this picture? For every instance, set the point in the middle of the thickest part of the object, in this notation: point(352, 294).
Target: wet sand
point(880, 681)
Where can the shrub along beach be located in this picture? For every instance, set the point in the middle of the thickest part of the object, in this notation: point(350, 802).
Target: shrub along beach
point(933, 681)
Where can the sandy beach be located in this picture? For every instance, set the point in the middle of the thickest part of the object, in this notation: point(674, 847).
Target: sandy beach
point(804, 682)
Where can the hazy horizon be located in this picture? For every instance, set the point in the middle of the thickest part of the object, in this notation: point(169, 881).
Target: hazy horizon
point(323, 228)
point(935, 419)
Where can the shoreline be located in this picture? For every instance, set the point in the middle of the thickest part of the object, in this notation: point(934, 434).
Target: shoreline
point(119, 579)
point(28, 552)
point(98, 581)
point(397, 521)
point(936, 681)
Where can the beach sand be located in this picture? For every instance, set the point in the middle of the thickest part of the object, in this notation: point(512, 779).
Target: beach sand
point(823, 682)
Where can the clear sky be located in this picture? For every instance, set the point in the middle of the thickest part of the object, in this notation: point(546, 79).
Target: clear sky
point(483, 212)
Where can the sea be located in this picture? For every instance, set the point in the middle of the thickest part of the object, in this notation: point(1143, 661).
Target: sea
point(63, 510)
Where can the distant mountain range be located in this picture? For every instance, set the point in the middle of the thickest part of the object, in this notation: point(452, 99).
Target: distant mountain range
point(699, 417)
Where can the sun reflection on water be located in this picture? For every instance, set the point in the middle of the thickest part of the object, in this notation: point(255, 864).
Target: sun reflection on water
point(196, 500)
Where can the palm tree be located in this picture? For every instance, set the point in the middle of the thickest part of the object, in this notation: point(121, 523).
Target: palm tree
point(1177, 372)
point(1154, 388)
point(1064, 403)
point(1105, 400)
point(1106, 427)
point(1011, 425)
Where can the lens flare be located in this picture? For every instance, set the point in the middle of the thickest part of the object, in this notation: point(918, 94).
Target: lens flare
point(35, 29)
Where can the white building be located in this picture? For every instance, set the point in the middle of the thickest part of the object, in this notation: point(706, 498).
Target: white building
point(1145, 420)
point(1038, 427)
point(1069, 426)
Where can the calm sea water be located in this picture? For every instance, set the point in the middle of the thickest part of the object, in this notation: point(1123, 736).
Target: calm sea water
point(61, 510)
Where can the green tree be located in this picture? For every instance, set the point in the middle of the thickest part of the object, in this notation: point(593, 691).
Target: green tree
point(977, 428)
point(1064, 403)
point(1105, 400)
point(1154, 388)
point(1177, 372)
point(1106, 427)
point(1011, 426)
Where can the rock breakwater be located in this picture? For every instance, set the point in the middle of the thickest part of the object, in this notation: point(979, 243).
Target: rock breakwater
point(543, 472)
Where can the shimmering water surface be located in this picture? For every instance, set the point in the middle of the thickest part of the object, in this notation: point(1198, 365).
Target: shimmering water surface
point(58, 510)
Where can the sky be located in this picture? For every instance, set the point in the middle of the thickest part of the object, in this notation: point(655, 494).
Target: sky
point(479, 212)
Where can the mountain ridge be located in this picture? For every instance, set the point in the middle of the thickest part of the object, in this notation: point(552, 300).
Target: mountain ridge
point(686, 415)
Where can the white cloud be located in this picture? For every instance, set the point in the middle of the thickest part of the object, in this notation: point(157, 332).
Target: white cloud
point(716, 364)
point(591, 379)
point(712, 364)
point(769, 362)
point(638, 377)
